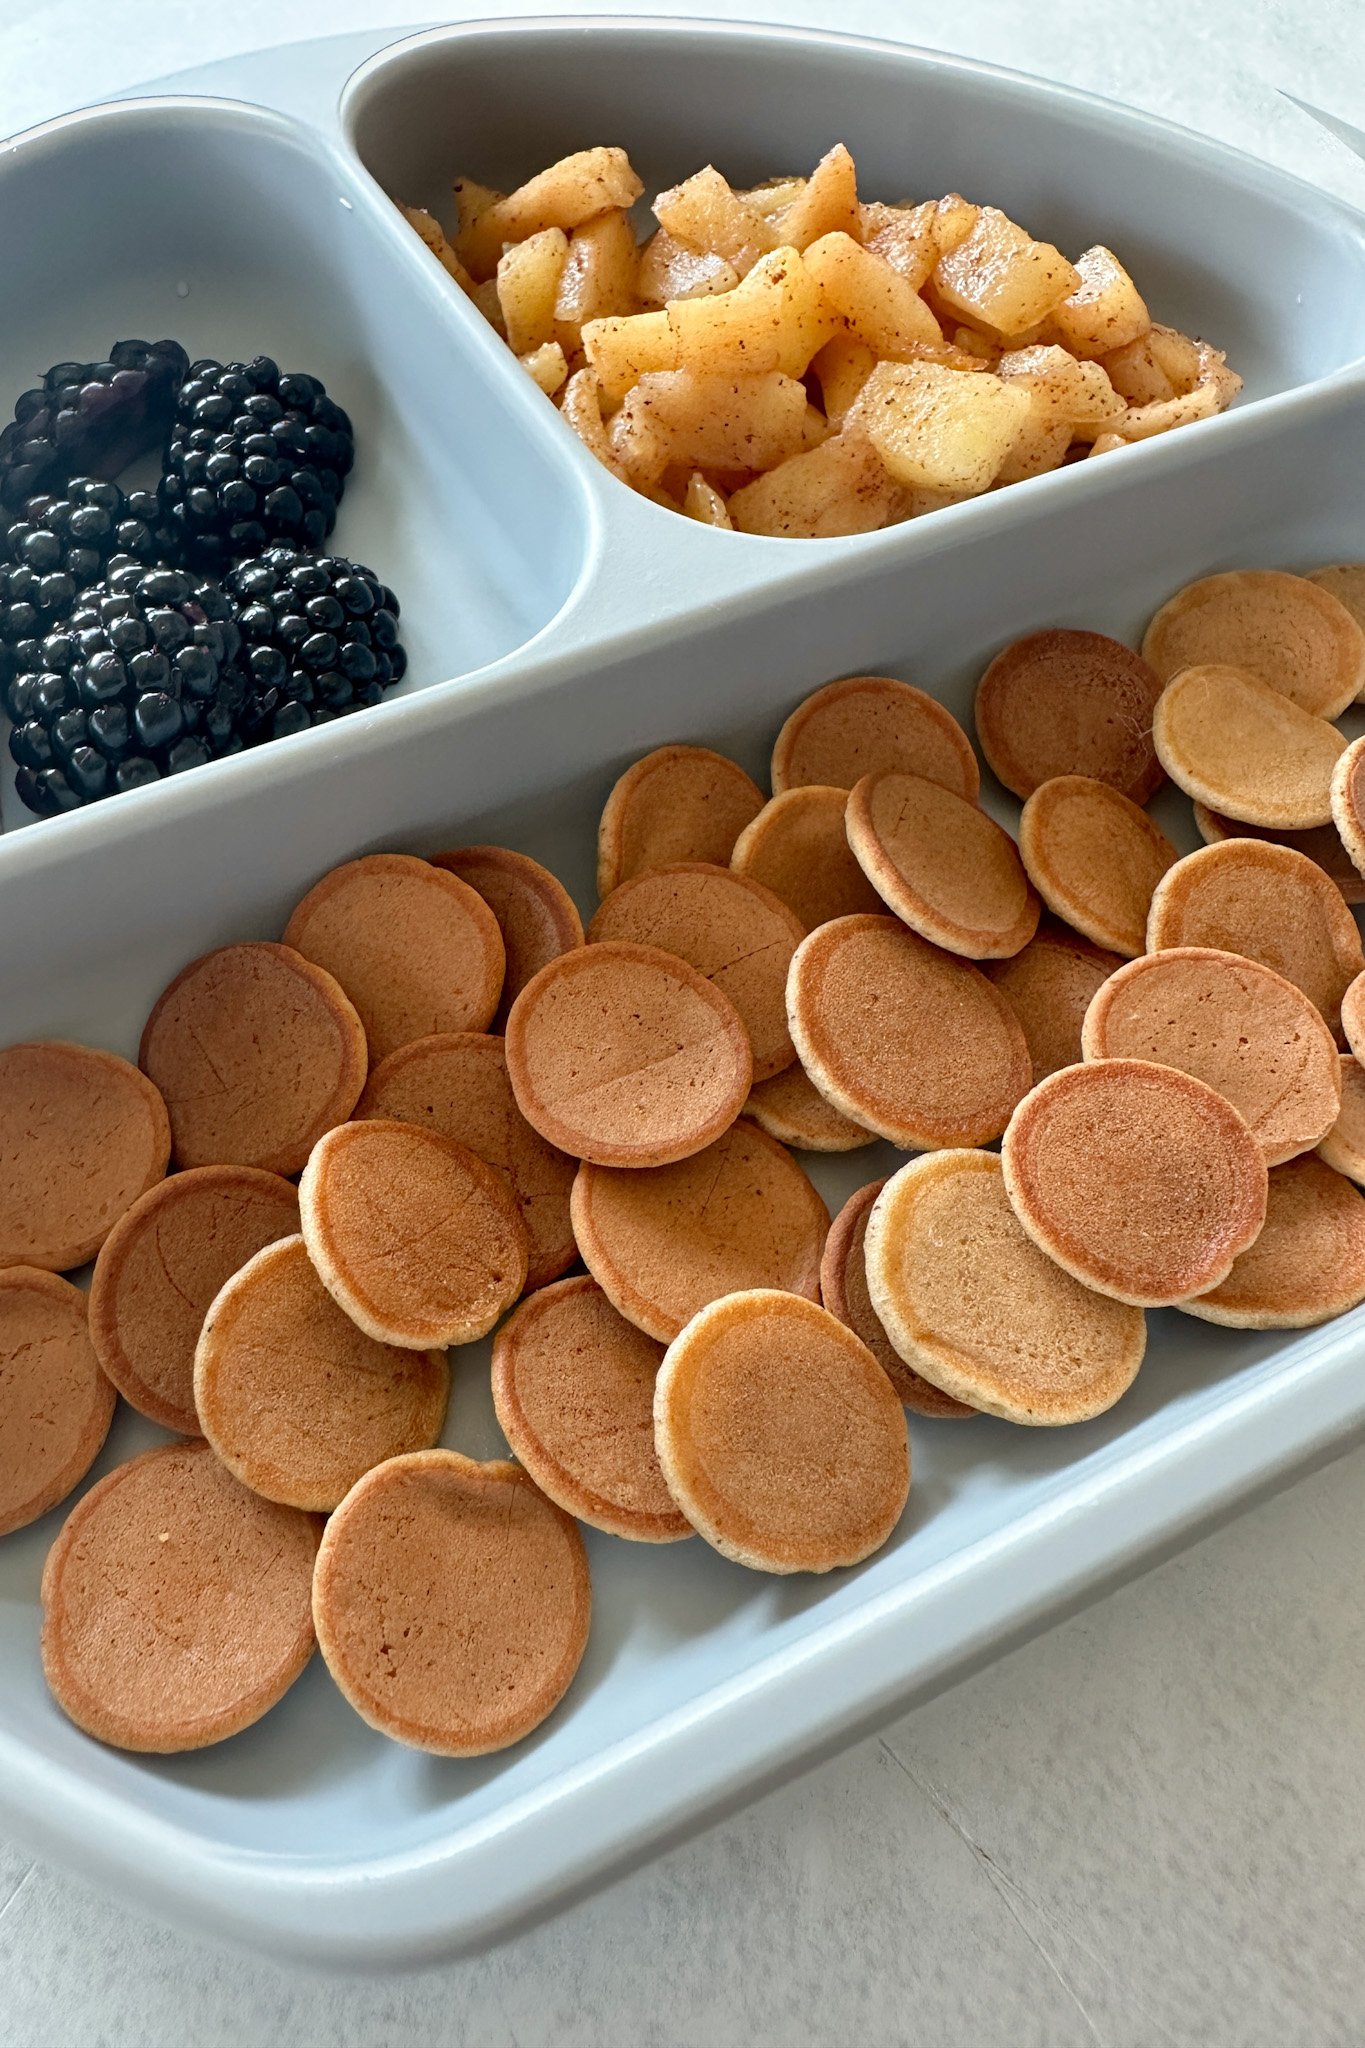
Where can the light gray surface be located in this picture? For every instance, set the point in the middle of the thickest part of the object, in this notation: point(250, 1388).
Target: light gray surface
point(1153, 1821)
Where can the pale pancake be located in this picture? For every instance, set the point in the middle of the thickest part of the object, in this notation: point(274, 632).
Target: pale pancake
point(664, 1243)
point(1345, 581)
point(798, 847)
point(968, 1298)
point(1063, 702)
point(1344, 1146)
point(844, 1292)
point(1307, 1265)
point(452, 1602)
point(1353, 1015)
point(780, 1436)
point(415, 1237)
point(911, 1042)
point(863, 724)
point(727, 926)
point(55, 1403)
point(627, 1056)
point(1243, 748)
point(678, 803)
point(791, 1109)
point(945, 868)
point(1348, 802)
point(176, 1603)
point(535, 912)
point(1292, 633)
point(1234, 1023)
point(573, 1386)
point(1095, 859)
point(1321, 845)
point(1269, 902)
point(1049, 986)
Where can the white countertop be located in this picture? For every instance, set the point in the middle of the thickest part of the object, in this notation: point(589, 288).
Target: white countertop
point(1145, 1829)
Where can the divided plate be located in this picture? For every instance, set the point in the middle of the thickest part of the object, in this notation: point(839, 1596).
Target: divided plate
point(559, 626)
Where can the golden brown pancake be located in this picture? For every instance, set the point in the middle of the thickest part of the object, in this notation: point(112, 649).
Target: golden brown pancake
point(1321, 845)
point(979, 1310)
point(452, 1602)
point(416, 949)
point(844, 1292)
point(535, 912)
point(1348, 802)
point(663, 1243)
point(55, 1403)
point(573, 1386)
point(1308, 1263)
point(160, 1268)
point(1229, 1021)
point(176, 1603)
point(791, 1109)
point(946, 869)
point(413, 1235)
point(82, 1135)
point(1292, 633)
point(1269, 902)
point(627, 1056)
point(1142, 1182)
point(780, 1436)
point(257, 1052)
point(798, 847)
point(912, 1042)
point(1345, 581)
point(1095, 859)
point(1244, 748)
point(1063, 702)
point(727, 926)
point(864, 724)
point(456, 1083)
point(295, 1400)
point(1344, 1146)
point(678, 803)
point(1049, 986)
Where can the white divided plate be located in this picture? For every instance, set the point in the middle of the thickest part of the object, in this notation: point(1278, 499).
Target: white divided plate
point(558, 627)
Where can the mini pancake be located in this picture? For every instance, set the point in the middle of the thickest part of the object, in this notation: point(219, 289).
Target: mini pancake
point(1344, 1146)
point(1142, 1182)
point(1243, 747)
point(176, 1603)
point(1348, 801)
point(780, 1436)
point(1270, 903)
point(863, 724)
point(678, 803)
point(419, 1241)
point(663, 1243)
point(1095, 859)
point(160, 1268)
point(257, 1052)
point(1062, 702)
point(798, 847)
point(727, 926)
point(456, 1083)
point(416, 949)
point(452, 1602)
point(1345, 581)
point(627, 1056)
point(295, 1400)
point(1353, 1015)
point(535, 912)
point(1308, 1263)
point(791, 1109)
point(1233, 1023)
point(55, 1403)
point(1292, 633)
point(913, 1043)
point(1322, 845)
point(573, 1386)
point(976, 1307)
point(82, 1135)
point(843, 1291)
point(946, 869)
point(1049, 986)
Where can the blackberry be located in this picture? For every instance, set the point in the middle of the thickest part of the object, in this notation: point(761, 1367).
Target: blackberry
point(90, 419)
point(319, 639)
point(58, 548)
point(141, 681)
point(256, 459)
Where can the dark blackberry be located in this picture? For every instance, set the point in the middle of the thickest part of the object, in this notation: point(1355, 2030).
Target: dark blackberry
point(57, 549)
point(255, 460)
point(141, 681)
point(90, 419)
point(319, 639)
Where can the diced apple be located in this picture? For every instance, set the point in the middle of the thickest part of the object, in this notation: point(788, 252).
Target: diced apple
point(546, 367)
point(575, 189)
point(775, 319)
point(706, 214)
point(827, 203)
point(1104, 312)
point(1000, 280)
point(841, 369)
point(703, 502)
point(769, 198)
point(876, 303)
point(709, 422)
point(621, 351)
point(939, 429)
point(433, 234)
point(905, 237)
point(840, 487)
point(478, 253)
point(598, 278)
point(1040, 445)
point(581, 405)
point(528, 280)
point(1078, 393)
point(670, 270)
